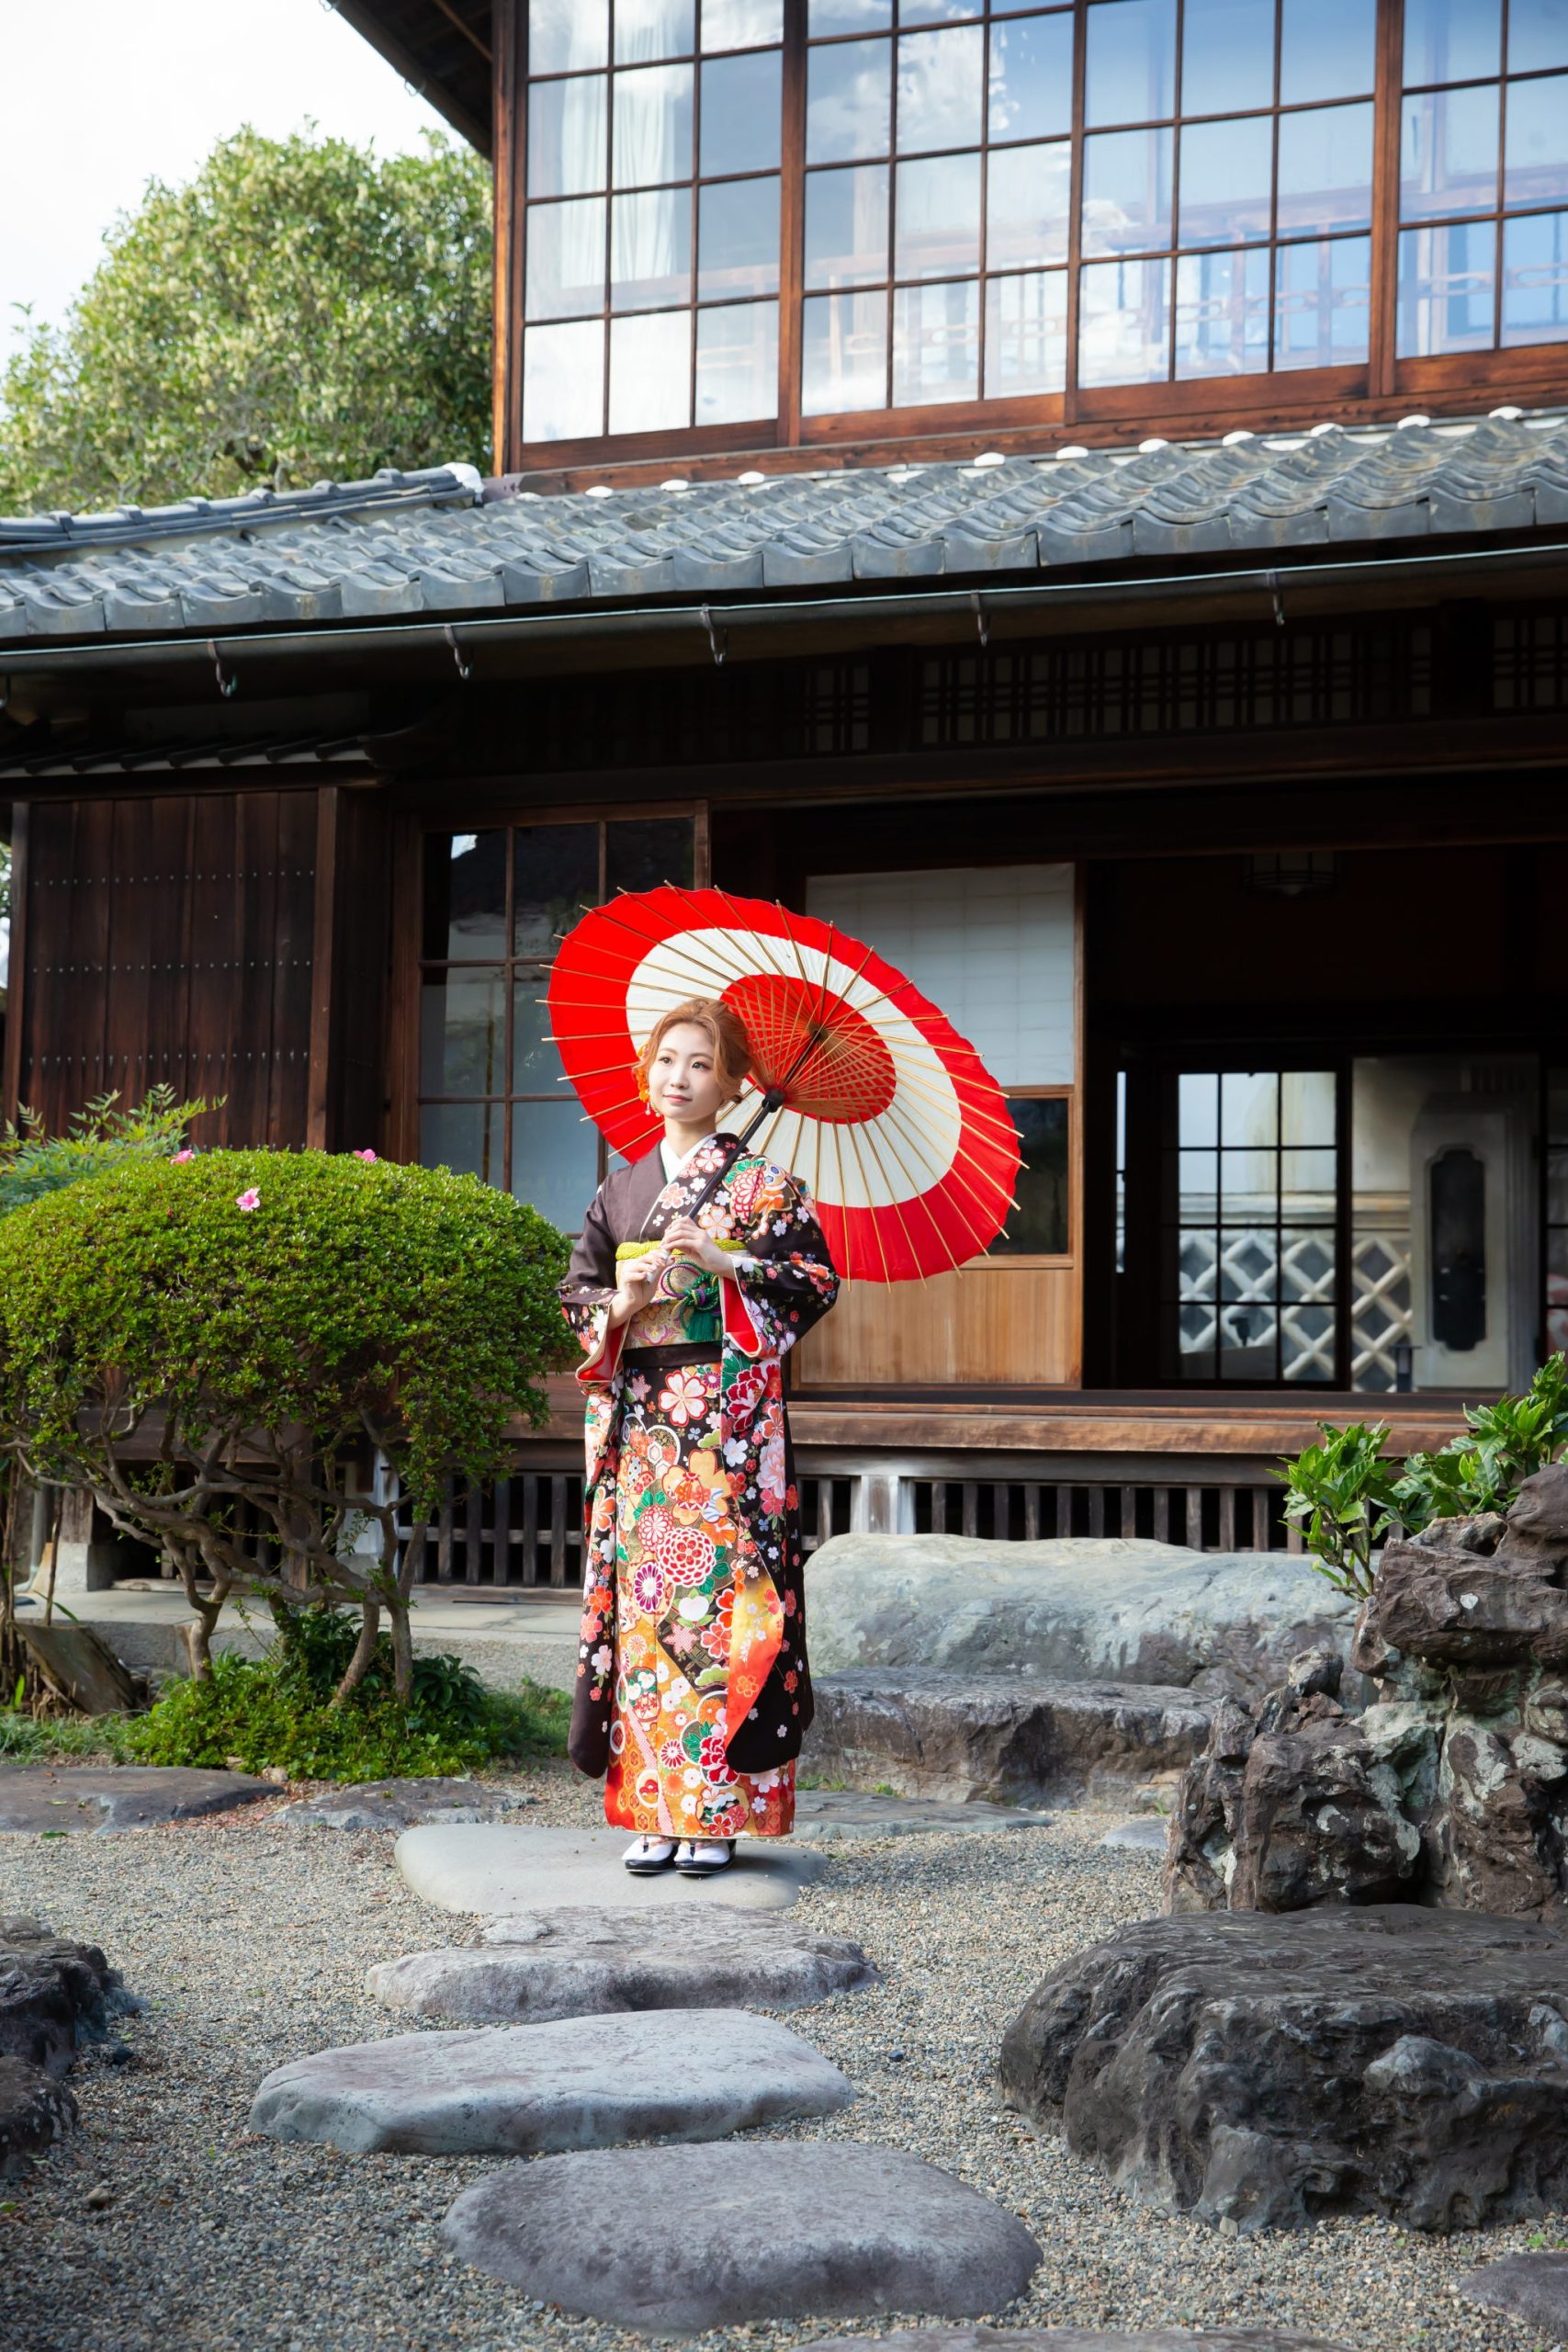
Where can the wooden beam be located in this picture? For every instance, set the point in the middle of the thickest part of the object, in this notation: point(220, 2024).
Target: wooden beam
point(16, 970)
point(324, 943)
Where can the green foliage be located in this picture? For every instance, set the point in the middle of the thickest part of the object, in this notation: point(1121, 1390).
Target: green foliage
point(279, 1709)
point(97, 1139)
point(44, 1739)
point(1506, 1443)
point(1340, 1494)
point(302, 309)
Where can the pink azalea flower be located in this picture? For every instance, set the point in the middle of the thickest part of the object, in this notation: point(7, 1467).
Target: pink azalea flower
point(249, 1200)
point(367, 1156)
point(181, 1157)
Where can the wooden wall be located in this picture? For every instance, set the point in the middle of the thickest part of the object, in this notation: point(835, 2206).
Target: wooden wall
point(219, 942)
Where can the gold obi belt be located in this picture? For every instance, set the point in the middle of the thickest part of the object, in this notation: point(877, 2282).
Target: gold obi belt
point(682, 1322)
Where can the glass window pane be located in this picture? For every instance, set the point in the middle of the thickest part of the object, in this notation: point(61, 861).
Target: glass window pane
point(742, 114)
point(846, 226)
point(555, 1162)
point(463, 1137)
point(1537, 35)
point(567, 36)
point(465, 895)
point(737, 240)
point(1026, 333)
point(1446, 287)
point(1126, 191)
point(1122, 322)
point(556, 876)
point(536, 1063)
point(938, 12)
point(1326, 50)
point(941, 76)
point(563, 381)
point(1309, 1110)
point(1131, 61)
point(741, 24)
point(1325, 169)
point(936, 344)
point(463, 1032)
point(650, 372)
point(1322, 303)
point(1032, 78)
point(566, 137)
point(1197, 1182)
point(938, 216)
point(1536, 170)
point(1222, 313)
point(827, 17)
point(1039, 1225)
point(566, 259)
point(849, 101)
point(1227, 55)
point(1448, 153)
point(1028, 204)
point(653, 126)
point(737, 363)
point(1453, 40)
point(641, 853)
point(844, 353)
point(1535, 278)
point(1198, 1107)
point(1227, 172)
point(650, 250)
point(1249, 1108)
point(649, 29)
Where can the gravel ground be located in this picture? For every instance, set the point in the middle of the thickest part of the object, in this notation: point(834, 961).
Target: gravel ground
point(251, 1942)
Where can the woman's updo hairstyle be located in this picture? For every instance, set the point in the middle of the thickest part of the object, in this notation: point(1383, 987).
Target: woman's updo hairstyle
point(725, 1032)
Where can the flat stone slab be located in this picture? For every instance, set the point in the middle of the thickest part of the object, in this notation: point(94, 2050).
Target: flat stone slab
point(489, 1870)
point(38, 1797)
point(1266, 2067)
point(824, 1815)
point(1533, 2287)
point(598, 1961)
point(1081, 1609)
point(1076, 2339)
point(530, 2089)
point(398, 1805)
point(839, 2228)
point(993, 1737)
point(1150, 1836)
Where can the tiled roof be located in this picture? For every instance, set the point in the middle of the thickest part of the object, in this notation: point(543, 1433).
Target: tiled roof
point(438, 543)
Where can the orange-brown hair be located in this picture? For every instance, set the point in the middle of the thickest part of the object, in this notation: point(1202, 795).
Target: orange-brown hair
point(725, 1032)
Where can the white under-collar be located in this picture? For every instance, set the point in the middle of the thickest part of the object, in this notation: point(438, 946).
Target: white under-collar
point(673, 1165)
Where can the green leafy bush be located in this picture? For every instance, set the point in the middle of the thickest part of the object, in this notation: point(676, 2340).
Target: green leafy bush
point(255, 1359)
point(95, 1141)
point(26, 1738)
point(1340, 1494)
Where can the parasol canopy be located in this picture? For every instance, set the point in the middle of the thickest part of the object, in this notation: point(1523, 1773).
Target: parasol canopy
point(859, 1085)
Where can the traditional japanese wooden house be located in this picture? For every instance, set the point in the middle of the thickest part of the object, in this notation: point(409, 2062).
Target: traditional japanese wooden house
point(1077, 493)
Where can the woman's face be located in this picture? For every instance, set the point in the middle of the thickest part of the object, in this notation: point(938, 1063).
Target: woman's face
point(683, 1083)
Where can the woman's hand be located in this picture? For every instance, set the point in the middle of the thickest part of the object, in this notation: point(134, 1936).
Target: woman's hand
point(684, 1233)
point(634, 1281)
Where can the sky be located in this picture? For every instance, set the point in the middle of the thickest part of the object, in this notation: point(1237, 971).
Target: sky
point(101, 95)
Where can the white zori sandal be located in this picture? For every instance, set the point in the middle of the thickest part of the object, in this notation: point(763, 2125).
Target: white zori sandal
point(645, 1855)
point(703, 1857)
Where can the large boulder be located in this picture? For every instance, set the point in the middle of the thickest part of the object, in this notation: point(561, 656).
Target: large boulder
point(1014, 1739)
point(55, 1995)
point(35, 2111)
point(1266, 2070)
point(1079, 1609)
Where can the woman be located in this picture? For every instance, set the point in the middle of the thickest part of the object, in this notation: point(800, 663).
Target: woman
point(693, 1694)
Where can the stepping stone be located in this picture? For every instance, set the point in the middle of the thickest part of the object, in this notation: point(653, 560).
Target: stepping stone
point(38, 1797)
point(595, 1961)
point(823, 1816)
point(578, 2083)
point(1076, 2339)
point(396, 1804)
point(489, 1871)
point(1532, 2287)
point(761, 2230)
point(1146, 1837)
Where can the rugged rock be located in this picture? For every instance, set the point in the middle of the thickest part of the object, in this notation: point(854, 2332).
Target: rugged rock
point(597, 1962)
point(35, 2111)
point(578, 2083)
point(55, 1994)
point(1013, 1739)
point(1267, 2070)
point(847, 2229)
point(398, 1805)
point(1531, 2287)
point(38, 1797)
point(1080, 1609)
point(493, 1870)
point(1076, 2339)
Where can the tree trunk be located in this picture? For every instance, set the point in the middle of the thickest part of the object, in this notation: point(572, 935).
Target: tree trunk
point(198, 1636)
point(402, 1648)
point(358, 1666)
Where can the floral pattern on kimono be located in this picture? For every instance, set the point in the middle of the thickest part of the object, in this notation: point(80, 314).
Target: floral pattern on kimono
point(693, 1691)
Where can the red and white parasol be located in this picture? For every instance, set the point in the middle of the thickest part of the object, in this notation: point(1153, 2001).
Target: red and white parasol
point(862, 1087)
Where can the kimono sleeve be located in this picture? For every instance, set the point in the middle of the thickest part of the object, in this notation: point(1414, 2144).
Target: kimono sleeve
point(587, 1290)
point(786, 1281)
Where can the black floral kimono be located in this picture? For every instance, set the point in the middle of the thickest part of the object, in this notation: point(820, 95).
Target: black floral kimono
point(693, 1693)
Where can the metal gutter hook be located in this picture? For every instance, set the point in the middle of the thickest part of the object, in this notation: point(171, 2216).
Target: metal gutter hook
point(718, 639)
point(1271, 581)
point(464, 669)
point(982, 622)
point(227, 687)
